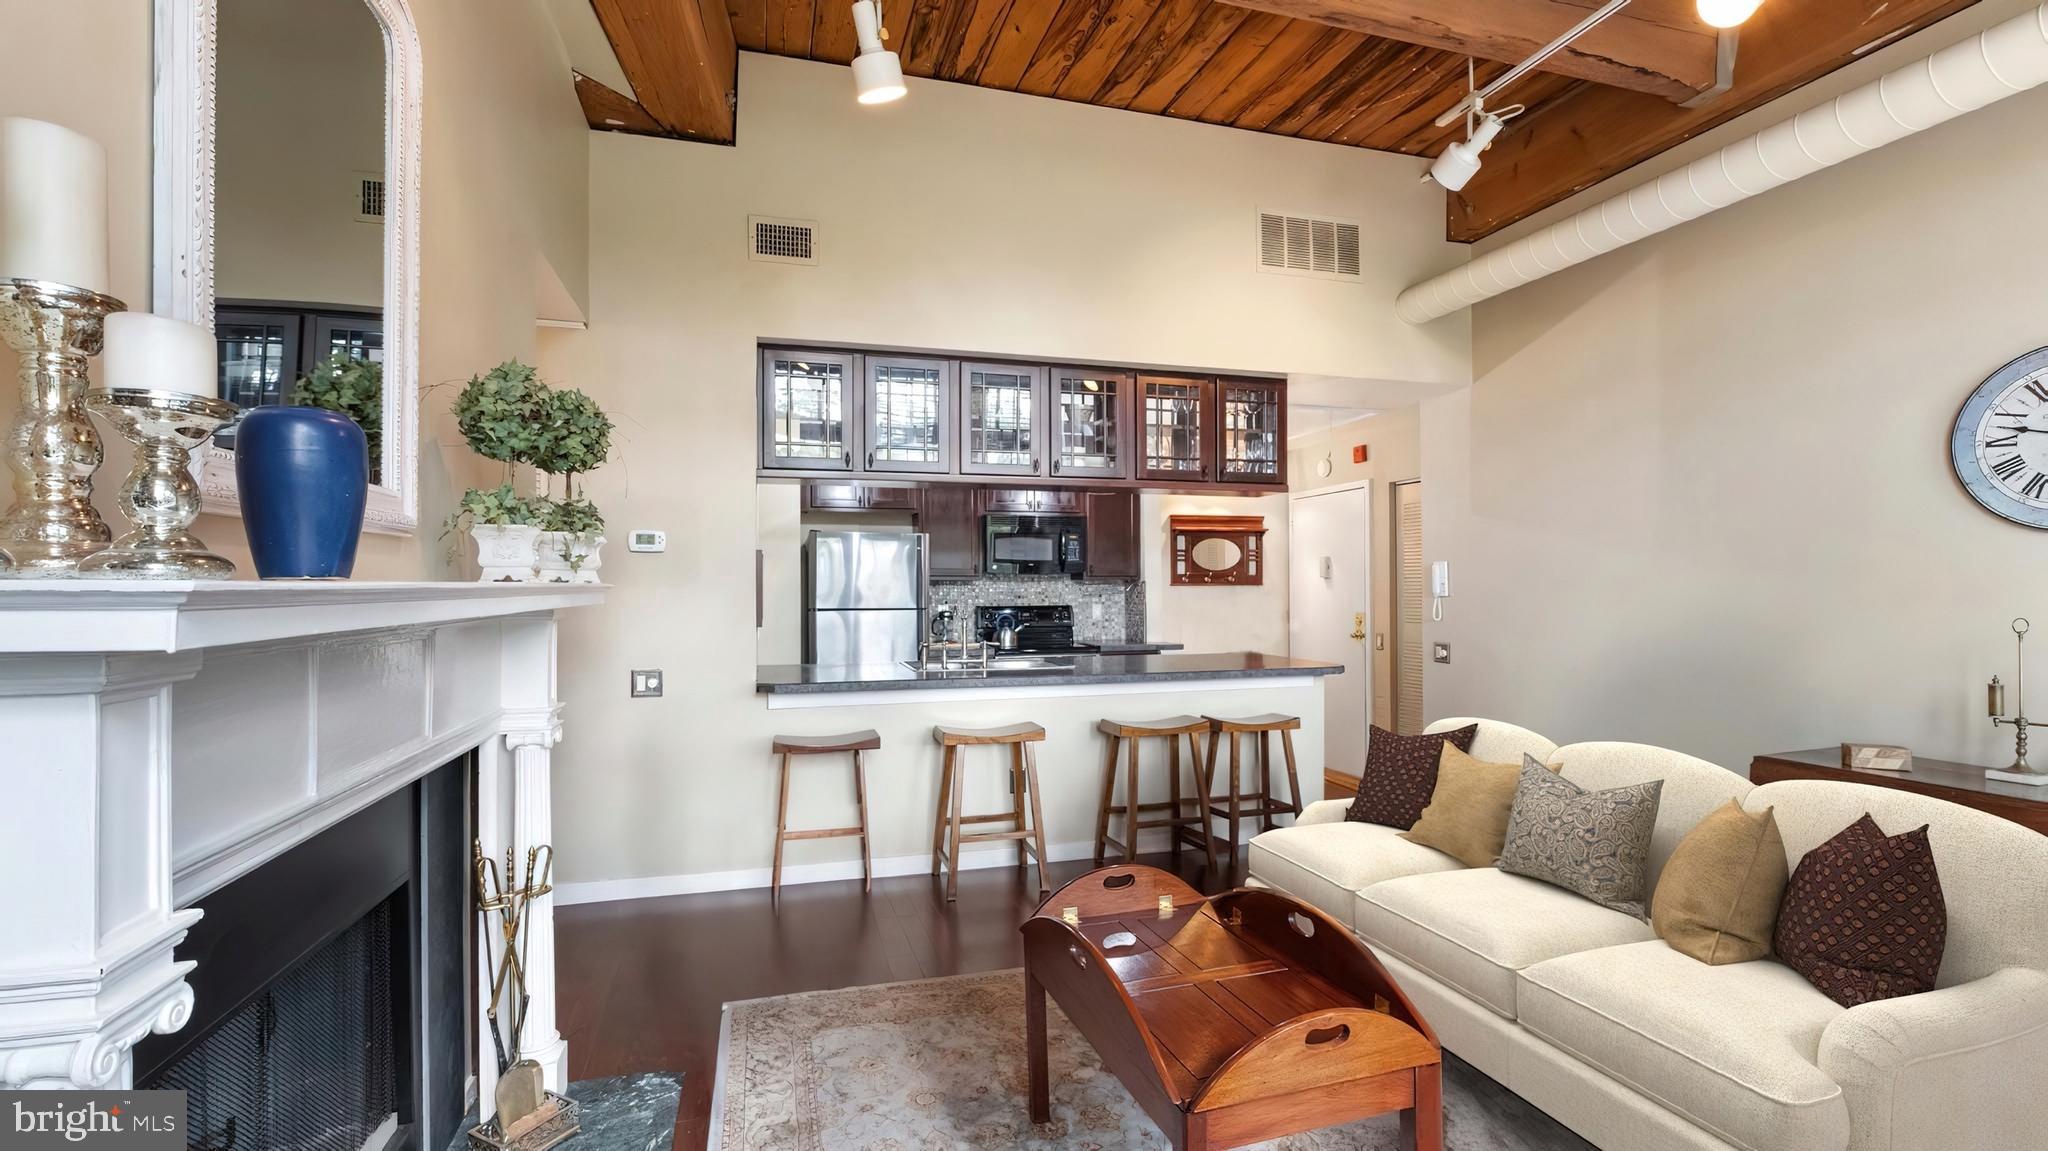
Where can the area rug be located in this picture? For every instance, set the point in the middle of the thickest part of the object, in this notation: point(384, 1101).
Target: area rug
point(621, 1113)
point(938, 1065)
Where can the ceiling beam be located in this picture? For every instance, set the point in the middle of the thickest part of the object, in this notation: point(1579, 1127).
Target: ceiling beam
point(1594, 133)
point(609, 110)
point(1654, 54)
point(680, 58)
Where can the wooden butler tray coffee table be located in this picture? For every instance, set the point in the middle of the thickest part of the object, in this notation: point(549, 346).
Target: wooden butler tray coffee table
point(1231, 1020)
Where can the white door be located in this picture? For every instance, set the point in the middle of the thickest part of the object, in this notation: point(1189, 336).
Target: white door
point(1329, 598)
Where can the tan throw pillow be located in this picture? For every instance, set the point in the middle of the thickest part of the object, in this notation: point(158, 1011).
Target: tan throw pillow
point(1467, 815)
point(1717, 900)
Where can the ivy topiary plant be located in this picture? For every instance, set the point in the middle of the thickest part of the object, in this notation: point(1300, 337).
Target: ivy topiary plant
point(502, 413)
point(575, 437)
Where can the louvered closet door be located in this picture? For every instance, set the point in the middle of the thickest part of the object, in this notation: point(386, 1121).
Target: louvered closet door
point(1411, 600)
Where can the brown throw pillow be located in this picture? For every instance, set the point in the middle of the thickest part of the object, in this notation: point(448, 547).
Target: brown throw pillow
point(1400, 774)
point(1467, 816)
point(1863, 917)
point(1593, 843)
point(1717, 900)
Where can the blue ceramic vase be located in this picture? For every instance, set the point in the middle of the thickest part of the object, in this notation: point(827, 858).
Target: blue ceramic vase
point(304, 478)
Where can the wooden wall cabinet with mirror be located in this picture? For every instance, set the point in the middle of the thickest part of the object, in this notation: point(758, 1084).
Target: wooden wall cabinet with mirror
point(1212, 551)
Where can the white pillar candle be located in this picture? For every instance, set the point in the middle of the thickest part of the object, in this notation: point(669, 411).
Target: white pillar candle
point(159, 354)
point(53, 205)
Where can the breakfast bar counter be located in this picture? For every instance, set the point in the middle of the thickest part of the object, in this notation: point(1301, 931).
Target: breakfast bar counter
point(1004, 675)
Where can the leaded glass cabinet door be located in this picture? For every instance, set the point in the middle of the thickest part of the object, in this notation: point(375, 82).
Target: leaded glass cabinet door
point(1176, 416)
point(1002, 420)
point(1253, 433)
point(807, 410)
point(909, 410)
point(1091, 423)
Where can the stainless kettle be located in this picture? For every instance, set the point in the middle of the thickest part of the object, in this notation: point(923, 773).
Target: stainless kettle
point(1006, 632)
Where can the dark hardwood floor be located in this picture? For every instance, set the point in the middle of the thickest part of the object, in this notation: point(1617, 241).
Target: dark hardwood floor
point(641, 982)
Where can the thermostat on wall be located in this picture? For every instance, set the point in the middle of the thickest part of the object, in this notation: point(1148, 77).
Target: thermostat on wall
point(646, 540)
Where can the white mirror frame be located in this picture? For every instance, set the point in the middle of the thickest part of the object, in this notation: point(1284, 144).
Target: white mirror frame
point(182, 285)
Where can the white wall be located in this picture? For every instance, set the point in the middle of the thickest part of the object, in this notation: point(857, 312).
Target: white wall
point(299, 114)
point(957, 219)
point(1699, 492)
point(504, 173)
point(1250, 618)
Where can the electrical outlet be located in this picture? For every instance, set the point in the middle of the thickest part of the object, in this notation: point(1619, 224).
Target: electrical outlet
point(646, 682)
point(1443, 653)
point(1095, 612)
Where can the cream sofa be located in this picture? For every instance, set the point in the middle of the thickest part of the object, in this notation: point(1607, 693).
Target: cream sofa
point(1586, 1014)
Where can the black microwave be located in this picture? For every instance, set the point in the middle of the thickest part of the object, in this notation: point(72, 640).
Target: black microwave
point(1034, 545)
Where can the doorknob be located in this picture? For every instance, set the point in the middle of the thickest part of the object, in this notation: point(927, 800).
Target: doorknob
point(1358, 625)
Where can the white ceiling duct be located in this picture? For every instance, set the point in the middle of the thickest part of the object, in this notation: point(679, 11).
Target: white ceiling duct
point(2005, 59)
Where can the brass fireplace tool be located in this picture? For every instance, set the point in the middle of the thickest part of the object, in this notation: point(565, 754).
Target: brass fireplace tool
point(2021, 771)
point(529, 1117)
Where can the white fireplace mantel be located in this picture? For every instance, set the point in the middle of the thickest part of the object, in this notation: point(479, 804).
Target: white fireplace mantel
point(159, 740)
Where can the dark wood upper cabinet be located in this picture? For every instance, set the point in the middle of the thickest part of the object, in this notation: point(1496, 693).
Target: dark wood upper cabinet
point(953, 530)
point(1002, 420)
point(838, 496)
point(1113, 535)
point(1032, 501)
point(1091, 422)
point(808, 403)
point(1176, 428)
point(1251, 441)
point(907, 414)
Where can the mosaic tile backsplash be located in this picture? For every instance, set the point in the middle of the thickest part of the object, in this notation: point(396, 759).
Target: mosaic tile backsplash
point(1123, 604)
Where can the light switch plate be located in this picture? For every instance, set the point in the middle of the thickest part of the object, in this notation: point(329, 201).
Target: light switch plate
point(646, 682)
point(1443, 653)
point(1379, 641)
point(646, 540)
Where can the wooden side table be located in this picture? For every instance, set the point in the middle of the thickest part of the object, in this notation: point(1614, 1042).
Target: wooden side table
point(1956, 782)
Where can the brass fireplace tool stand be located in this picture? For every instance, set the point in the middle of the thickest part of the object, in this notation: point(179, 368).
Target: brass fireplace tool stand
point(529, 1117)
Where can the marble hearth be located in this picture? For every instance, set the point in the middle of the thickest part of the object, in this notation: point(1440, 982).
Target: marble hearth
point(161, 740)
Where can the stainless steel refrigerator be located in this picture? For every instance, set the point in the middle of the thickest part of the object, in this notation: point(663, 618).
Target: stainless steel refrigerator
point(864, 596)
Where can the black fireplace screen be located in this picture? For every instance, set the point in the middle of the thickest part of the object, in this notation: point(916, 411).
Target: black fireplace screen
point(312, 1061)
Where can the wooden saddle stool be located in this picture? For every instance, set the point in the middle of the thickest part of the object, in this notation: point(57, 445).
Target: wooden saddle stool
point(1028, 826)
point(1262, 805)
point(855, 742)
point(1185, 825)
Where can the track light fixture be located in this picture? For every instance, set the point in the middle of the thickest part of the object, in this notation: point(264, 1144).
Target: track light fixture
point(1460, 160)
point(877, 72)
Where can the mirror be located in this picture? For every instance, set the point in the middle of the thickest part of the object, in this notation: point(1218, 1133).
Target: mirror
point(1216, 554)
point(298, 241)
point(287, 217)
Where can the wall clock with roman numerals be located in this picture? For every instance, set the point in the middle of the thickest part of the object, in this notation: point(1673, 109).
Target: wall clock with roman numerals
point(2000, 445)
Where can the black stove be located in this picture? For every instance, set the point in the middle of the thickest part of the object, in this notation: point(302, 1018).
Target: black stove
point(1042, 629)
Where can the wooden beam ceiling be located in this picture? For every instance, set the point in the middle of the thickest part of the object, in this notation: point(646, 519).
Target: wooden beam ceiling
point(1641, 51)
point(681, 59)
point(1361, 73)
point(1572, 143)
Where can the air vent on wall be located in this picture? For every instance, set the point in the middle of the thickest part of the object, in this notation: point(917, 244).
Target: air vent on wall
point(1308, 246)
point(782, 241)
point(369, 197)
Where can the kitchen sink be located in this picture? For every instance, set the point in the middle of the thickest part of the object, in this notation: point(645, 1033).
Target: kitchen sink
point(1001, 665)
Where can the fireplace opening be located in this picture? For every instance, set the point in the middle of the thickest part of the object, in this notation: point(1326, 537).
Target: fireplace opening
point(312, 1061)
point(330, 1006)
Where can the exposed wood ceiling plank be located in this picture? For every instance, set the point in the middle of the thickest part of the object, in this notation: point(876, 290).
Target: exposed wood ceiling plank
point(789, 27)
point(1114, 35)
point(1206, 37)
point(1597, 132)
point(923, 37)
point(1064, 39)
point(1024, 26)
point(609, 110)
point(749, 22)
point(1624, 52)
point(1369, 56)
point(977, 34)
point(1323, 58)
point(680, 57)
point(1423, 84)
point(1161, 35)
point(832, 36)
point(1245, 45)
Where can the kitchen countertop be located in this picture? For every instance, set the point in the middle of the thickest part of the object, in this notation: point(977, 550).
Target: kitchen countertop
point(793, 679)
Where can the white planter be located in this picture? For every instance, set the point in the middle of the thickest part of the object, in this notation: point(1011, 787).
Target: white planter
point(505, 552)
point(566, 557)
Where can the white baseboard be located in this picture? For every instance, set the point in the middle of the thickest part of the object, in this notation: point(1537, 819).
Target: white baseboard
point(972, 859)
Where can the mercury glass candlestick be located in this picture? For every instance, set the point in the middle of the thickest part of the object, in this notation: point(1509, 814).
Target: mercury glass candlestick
point(52, 449)
point(160, 497)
